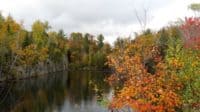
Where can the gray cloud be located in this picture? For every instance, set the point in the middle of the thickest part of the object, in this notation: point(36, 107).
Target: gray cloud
point(110, 17)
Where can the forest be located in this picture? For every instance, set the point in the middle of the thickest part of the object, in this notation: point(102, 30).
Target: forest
point(22, 51)
point(156, 71)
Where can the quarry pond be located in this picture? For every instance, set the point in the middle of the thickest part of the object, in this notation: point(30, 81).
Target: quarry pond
point(58, 92)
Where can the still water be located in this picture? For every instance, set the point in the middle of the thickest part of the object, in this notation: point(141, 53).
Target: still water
point(59, 92)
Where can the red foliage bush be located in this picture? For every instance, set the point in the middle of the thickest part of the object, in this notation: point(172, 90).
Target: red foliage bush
point(191, 32)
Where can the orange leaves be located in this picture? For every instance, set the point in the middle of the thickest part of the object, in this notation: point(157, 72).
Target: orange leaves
point(144, 91)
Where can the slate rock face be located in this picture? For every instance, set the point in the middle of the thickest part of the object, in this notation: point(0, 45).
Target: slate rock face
point(123, 109)
point(25, 71)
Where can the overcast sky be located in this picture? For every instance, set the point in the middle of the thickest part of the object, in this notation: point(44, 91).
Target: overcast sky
point(112, 18)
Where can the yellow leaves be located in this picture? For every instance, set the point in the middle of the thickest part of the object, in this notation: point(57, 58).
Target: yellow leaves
point(177, 63)
point(31, 55)
point(27, 55)
point(9, 27)
point(195, 63)
point(44, 54)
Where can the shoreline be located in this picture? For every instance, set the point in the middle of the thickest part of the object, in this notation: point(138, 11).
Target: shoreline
point(48, 74)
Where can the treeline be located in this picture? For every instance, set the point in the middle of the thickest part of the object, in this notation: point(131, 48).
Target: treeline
point(24, 52)
point(87, 51)
point(40, 50)
point(158, 71)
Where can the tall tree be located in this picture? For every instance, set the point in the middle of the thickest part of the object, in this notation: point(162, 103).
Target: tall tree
point(39, 32)
point(100, 39)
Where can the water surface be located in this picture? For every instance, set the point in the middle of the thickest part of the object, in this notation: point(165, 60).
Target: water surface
point(59, 92)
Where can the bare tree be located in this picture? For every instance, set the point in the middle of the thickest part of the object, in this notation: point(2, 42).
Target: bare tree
point(142, 18)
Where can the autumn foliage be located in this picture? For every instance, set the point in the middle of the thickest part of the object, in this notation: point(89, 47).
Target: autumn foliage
point(191, 31)
point(153, 72)
point(142, 90)
point(26, 53)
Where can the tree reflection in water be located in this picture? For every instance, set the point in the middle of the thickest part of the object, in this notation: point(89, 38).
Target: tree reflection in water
point(62, 92)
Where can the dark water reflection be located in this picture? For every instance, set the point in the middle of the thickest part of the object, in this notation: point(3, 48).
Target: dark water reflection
point(60, 92)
